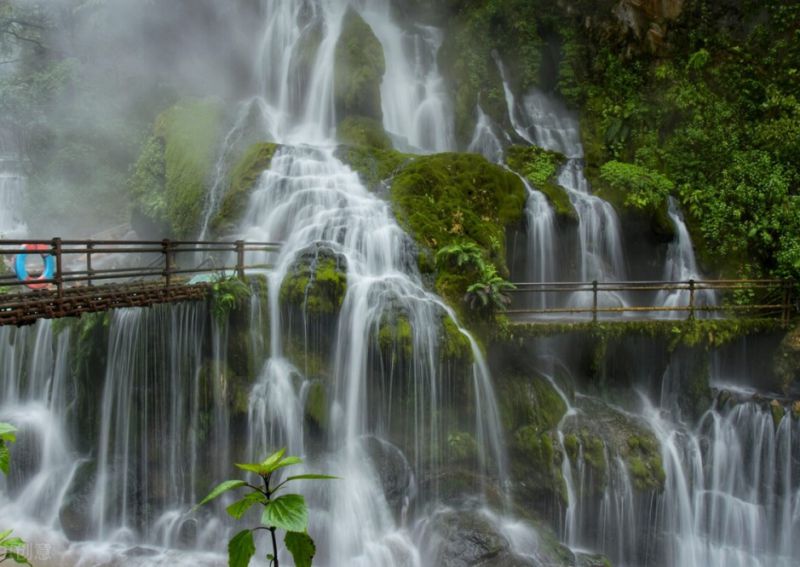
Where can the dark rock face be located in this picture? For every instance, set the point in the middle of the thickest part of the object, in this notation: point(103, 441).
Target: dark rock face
point(393, 470)
point(470, 539)
point(75, 514)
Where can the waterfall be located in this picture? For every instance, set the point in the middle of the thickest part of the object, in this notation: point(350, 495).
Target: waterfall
point(731, 494)
point(681, 266)
point(485, 141)
point(307, 200)
point(416, 108)
point(543, 121)
point(12, 190)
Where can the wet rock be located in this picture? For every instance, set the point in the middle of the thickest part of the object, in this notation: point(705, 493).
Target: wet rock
point(467, 539)
point(394, 472)
point(786, 361)
point(75, 514)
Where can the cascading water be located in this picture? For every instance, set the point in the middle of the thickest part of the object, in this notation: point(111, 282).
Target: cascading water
point(681, 266)
point(309, 199)
point(544, 122)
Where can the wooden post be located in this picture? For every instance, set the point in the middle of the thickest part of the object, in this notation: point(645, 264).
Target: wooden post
point(165, 247)
point(240, 259)
point(59, 270)
point(691, 299)
point(89, 271)
point(594, 301)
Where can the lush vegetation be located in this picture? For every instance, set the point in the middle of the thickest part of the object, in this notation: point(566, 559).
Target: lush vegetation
point(286, 512)
point(8, 543)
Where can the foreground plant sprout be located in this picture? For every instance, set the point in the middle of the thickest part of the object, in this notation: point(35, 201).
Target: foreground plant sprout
point(285, 512)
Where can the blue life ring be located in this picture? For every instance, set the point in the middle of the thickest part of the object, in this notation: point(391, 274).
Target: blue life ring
point(22, 271)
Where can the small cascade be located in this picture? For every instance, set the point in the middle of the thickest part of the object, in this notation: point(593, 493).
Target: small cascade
point(681, 266)
point(485, 141)
point(311, 201)
point(416, 107)
point(542, 247)
point(731, 497)
point(542, 121)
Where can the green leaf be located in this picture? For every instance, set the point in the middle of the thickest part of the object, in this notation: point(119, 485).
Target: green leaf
point(17, 558)
point(288, 461)
point(250, 467)
point(302, 548)
point(8, 432)
point(5, 458)
point(5, 534)
point(241, 549)
point(220, 489)
point(273, 459)
point(287, 512)
point(240, 507)
point(12, 543)
point(312, 477)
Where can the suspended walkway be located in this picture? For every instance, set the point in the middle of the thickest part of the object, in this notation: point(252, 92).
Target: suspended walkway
point(593, 302)
point(83, 276)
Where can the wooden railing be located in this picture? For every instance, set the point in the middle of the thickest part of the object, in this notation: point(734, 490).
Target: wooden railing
point(762, 298)
point(92, 275)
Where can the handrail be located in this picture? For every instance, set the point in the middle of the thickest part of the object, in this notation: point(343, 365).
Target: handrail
point(774, 297)
point(77, 271)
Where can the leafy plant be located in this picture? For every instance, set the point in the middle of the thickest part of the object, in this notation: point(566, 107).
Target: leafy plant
point(8, 434)
point(227, 294)
point(285, 512)
point(491, 292)
point(461, 255)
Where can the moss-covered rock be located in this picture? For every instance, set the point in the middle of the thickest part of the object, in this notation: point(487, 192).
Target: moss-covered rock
point(453, 345)
point(458, 198)
point(374, 166)
point(786, 360)
point(360, 66)
point(169, 181)
point(540, 167)
point(317, 405)
point(601, 433)
point(316, 282)
point(362, 131)
point(243, 178)
point(395, 334)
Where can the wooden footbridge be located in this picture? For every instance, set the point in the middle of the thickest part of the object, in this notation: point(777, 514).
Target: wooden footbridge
point(82, 276)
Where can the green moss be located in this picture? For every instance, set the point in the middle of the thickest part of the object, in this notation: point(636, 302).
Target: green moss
point(243, 178)
point(373, 165)
point(168, 184)
point(453, 345)
point(537, 462)
point(317, 283)
point(456, 198)
point(778, 412)
point(461, 446)
point(360, 66)
point(594, 453)
point(361, 131)
point(571, 445)
point(317, 405)
point(395, 335)
point(643, 459)
point(189, 132)
point(540, 167)
point(699, 332)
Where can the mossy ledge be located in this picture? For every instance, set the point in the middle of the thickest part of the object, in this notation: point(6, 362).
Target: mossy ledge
point(445, 199)
point(243, 178)
point(373, 165)
point(316, 283)
point(707, 333)
point(540, 167)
